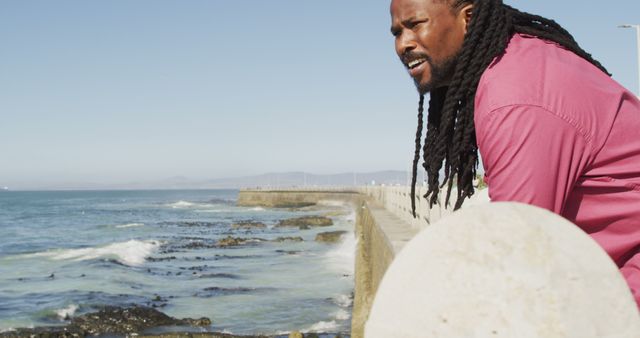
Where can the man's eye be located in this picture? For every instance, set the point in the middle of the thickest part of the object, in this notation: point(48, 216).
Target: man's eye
point(416, 23)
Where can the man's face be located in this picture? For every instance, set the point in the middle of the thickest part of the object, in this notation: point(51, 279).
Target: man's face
point(429, 35)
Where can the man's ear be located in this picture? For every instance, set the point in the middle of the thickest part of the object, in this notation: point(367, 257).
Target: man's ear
point(466, 13)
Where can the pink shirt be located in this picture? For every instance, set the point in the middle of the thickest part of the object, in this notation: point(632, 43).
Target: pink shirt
point(556, 132)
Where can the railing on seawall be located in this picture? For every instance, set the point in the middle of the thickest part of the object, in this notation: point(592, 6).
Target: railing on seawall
point(397, 200)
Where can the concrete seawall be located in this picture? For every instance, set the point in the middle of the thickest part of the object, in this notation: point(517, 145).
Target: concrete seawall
point(294, 198)
point(385, 225)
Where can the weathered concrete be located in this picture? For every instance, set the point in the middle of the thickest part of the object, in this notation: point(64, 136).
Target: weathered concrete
point(293, 198)
point(503, 270)
point(380, 235)
point(384, 225)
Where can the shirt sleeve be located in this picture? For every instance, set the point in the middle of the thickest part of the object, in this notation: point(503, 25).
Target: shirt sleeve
point(531, 155)
point(631, 272)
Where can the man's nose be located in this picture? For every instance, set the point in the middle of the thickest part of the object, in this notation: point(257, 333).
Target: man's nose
point(405, 43)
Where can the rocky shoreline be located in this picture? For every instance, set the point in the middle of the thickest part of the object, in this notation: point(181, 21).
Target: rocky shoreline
point(147, 321)
point(138, 321)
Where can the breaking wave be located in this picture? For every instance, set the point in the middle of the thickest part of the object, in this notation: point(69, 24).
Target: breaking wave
point(342, 257)
point(66, 313)
point(129, 225)
point(131, 253)
point(343, 301)
point(181, 204)
point(323, 327)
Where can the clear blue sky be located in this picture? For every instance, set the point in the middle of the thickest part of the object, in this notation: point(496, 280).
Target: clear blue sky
point(121, 90)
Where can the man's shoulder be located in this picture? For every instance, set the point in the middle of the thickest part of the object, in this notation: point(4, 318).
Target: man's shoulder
point(537, 72)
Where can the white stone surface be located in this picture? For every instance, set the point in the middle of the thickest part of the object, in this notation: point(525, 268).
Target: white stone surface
point(503, 270)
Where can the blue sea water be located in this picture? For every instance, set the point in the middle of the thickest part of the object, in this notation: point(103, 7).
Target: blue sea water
point(64, 253)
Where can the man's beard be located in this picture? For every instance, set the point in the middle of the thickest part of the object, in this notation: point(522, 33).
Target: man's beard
point(441, 74)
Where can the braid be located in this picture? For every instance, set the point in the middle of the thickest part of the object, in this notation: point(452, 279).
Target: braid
point(416, 157)
point(451, 139)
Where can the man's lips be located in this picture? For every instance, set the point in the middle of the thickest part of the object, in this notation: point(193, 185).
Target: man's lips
point(415, 63)
point(416, 66)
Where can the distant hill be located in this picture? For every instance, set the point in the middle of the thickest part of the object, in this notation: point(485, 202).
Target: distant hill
point(273, 180)
point(299, 179)
point(279, 180)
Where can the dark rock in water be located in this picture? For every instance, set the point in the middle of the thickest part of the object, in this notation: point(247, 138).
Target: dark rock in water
point(219, 275)
point(199, 245)
point(110, 321)
point(330, 237)
point(318, 221)
point(288, 239)
point(218, 291)
point(196, 268)
point(248, 225)
point(160, 259)
point(289, 252)
point(218, 257)
point(199, 224)
point(202, 335)
point(128, 320)
point(236, 241)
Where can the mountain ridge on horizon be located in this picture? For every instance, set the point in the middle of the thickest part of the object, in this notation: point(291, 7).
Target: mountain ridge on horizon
point(266, 180)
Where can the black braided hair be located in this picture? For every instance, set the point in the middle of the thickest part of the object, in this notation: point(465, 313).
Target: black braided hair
point(416, 157)
point(451, 139)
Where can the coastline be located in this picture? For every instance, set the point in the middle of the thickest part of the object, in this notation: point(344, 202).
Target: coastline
point(142, 322)
point(189, 254)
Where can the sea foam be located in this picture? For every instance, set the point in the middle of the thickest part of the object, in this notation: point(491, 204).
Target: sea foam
point(66, 313)
point(129, 225)
point(342, 257)
point(132, 253)
point(181, 204)
point(342, 315)
point(343, 300)
point(322, 327)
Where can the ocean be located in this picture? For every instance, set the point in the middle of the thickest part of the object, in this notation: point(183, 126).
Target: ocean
point(66, 253)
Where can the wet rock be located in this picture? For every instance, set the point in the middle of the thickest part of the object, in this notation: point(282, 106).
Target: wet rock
point(288, 252)
point(219, 275)
point(330, 237)
point(110, 321)
point(306, 221)
point(218, 257)
point(199, 245)
point(295, 334)
point(219, 291)
point(248, 225)
point(160, 259)
point(197, 224)
point(288, 239)
point(230, 241)
point(128, 320)
point(203, 335)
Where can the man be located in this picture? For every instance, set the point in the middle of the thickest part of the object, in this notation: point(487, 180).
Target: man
point(553, 129)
